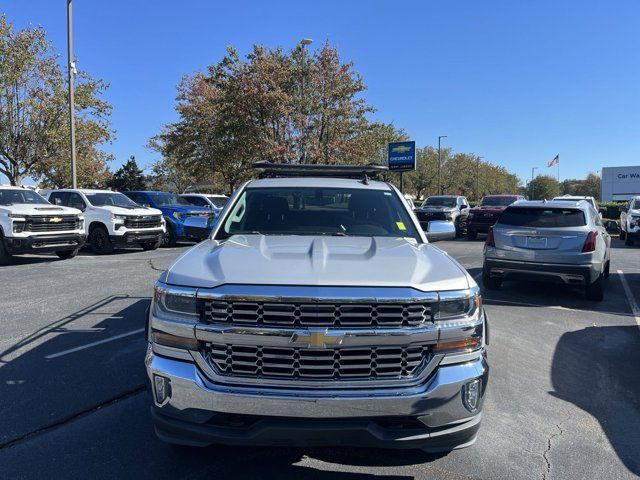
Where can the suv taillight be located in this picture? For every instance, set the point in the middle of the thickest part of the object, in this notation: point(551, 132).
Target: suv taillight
point(490, 242)
point(590, 242)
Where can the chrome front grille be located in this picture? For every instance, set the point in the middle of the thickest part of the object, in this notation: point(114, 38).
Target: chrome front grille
point(366, 315)
point(357, 363)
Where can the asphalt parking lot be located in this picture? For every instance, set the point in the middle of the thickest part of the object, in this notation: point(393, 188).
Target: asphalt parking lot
point(563, 402)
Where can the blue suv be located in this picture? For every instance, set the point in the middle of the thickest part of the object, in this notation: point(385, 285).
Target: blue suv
point(175, 211)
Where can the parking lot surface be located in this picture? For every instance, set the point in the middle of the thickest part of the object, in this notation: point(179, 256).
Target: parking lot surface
point(563, 401)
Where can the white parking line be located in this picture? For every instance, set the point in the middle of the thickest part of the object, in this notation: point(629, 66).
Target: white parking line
point(630, 298)
point(93, 344)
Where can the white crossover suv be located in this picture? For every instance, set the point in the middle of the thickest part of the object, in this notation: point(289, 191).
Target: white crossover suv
point(113, 219)
point(630, 221)
point(30, 224)
point(317, 313)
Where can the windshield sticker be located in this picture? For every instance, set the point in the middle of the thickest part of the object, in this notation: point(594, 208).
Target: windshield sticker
point(401, 226)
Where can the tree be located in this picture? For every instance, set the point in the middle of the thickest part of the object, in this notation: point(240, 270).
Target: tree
point(243, 110)
point(34, 133)
point(543, 187)
point(128, 177)
point(589, 187)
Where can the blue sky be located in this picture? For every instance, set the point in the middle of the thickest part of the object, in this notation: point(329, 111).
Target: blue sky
point(516, 82)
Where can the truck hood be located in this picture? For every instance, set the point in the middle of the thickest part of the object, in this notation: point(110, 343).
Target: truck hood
point(435, 209)
point(169, 209)
point(131, 211)
point(475, 210)
point(318, 261)
point(38, 209)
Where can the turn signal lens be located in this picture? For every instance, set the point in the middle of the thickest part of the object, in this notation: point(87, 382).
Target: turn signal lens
point(470, 343)
point(590, 242)
point(490, 242)
point(175, 341)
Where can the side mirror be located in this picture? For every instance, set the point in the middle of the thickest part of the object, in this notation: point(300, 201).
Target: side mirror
point(602, 209)
point(440, 230)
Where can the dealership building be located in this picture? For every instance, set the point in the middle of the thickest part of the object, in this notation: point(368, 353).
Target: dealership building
point(619, 183)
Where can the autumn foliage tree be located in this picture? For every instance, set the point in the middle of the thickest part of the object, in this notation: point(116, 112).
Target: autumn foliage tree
point(34, 131)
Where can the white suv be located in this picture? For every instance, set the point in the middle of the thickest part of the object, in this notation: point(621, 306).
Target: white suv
point(30, 224)
point(630, 221)
point(113, 219)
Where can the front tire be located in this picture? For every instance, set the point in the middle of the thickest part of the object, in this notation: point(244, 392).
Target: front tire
point(490, 283)
point(169, 237)
point(100, 241)
point(67, 254)
point(472, 234)
point(595, 291)
point(5, 257)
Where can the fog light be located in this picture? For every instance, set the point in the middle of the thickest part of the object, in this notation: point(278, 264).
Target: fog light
point(162, 388)
point(471, 394)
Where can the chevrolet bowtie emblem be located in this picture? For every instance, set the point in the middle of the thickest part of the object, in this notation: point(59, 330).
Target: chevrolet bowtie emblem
point(317, 338)
point(55, 220)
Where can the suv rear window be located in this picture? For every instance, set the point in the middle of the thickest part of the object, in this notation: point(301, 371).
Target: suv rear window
point(542, 217)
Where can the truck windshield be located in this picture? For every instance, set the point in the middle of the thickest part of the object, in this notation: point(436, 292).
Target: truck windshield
point(11, 196)
point(497, 201)
point(635, 205)
point(218, 202)
point(163, 199)
point(114, 199)
point(440, 202)
point(319, 211)
point(542, 217)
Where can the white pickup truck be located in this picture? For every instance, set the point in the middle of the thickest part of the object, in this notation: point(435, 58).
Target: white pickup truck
point(30, 224)
point(630, 221)
point(113, 219)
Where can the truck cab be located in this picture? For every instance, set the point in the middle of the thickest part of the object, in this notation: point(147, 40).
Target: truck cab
point(176, 211)
point(317, 314)
point(112, 219)
point(30, 224)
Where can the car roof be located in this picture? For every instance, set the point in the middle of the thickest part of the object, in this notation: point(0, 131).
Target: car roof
point(504, 195)
point(573, 197)
point(14, 187)
point(579, 204)
point(83, 190)
point(323, 182)
point(444, 196)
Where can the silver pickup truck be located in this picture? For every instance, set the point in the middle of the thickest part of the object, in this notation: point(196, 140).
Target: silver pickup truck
point(317, 314)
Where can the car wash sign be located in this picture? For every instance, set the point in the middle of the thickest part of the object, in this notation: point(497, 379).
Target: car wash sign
point(402, 156)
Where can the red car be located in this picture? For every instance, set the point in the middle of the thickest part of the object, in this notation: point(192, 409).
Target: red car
point(482, 217)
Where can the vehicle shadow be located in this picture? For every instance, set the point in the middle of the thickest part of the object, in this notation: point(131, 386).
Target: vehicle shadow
point(18, 260)
point(72, 365)
point(596, 369)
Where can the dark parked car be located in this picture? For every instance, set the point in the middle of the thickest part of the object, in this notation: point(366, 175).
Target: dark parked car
point(448, 208)
point(482, 217)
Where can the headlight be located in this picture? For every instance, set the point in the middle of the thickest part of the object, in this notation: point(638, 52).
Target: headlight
point(17, 217)
point(456, 304)
point(118, 218)
point(634, 221)
point(177, 215)
point(174, 302)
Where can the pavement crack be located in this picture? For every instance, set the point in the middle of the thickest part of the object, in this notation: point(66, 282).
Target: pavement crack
point(547, 473)
point(73, 417)
point(153, 267)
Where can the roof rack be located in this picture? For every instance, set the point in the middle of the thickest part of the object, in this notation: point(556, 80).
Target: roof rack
point(273, 170)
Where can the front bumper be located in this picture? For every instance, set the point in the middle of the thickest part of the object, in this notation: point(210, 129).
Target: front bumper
point(633, 234)
point(560, 273)
point(481, 227)
point(43, 243)
point(136, 237)
point(432, 415)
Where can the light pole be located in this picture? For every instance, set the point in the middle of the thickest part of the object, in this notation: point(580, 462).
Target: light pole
point(72, 120)
point(478, 177)
point(303, 154)
point(440, 164)
point(533, 169)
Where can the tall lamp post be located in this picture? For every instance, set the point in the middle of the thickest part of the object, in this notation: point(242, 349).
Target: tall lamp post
point(440, 164)
point(533, 170)
point(71, 67)
point(303, 154)
point(478, 177)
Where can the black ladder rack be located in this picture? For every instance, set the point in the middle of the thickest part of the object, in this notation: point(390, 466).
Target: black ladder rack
point(275, 170)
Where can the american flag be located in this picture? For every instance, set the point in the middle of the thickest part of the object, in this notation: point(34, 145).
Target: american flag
point(555, 160)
